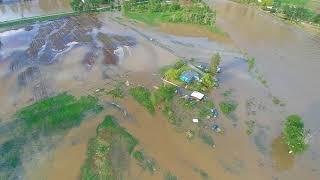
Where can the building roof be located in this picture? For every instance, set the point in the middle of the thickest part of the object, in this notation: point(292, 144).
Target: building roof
point(190, 74)
point(197, 95)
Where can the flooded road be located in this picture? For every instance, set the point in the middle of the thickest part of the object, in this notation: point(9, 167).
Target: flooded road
point(15, 9)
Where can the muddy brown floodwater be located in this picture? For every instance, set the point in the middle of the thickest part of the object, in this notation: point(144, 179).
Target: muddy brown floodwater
point(82, 54)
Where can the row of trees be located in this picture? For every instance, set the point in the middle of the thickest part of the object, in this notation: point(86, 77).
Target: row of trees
point(81, 5)
point(298, 13)
point(295, 10)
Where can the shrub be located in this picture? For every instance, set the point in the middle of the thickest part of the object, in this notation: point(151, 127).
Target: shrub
point(116, 92)
point(251, 63)
point(138, 155)
point(207, 81)
point(206, 138)
point(143, 96)
point(179, 64)
point(170, 176)
point(172, 74)
point(227, 107)
point(215, 61)
point(293, 134)
point(298, 13)
point(165, 93)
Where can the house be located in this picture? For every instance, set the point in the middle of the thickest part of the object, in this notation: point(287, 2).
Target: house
point(197, 95)
point(189, 76)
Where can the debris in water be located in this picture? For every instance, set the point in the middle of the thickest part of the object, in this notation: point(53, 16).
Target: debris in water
point(127, 83)
point(190, 134)
point(119, 52)
point(72, 43)
point(195, 120)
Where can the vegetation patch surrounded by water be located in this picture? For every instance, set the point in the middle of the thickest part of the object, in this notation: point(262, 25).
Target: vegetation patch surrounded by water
point(45, 117)
point(111, 146)
point(58, 112)
point(170, 176)
point(227, 107)
point(173, 74)
point(154, 12)
point(117, 92)
point(143, 96)
point(294, 134)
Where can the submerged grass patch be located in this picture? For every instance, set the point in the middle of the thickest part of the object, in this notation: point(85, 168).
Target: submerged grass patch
point(10, 156)
point(170, 176)
point(165, 93)
point(57, 112)
point(98, 164)
point(47, 116)
point(206, 138)
point(204, 175)
point(145, 162)
point(251, 63)
point(227, 107)
point(143, 96)
point(154, 12)
point(117, 92)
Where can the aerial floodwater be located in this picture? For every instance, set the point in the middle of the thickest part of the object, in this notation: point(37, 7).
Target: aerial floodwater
point(16, 9)
point(102, 95)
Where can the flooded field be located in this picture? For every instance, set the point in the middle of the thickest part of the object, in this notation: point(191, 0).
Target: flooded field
point(16, 9)
point(83, 55)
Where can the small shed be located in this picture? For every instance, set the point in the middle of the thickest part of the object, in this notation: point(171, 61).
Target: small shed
point(197, 95)
point(189, 76)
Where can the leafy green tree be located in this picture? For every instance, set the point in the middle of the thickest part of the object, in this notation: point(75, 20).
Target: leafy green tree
point(267, 2)
point(215, 61)
point(171, 74)
point(207, 80)
point(293, 134)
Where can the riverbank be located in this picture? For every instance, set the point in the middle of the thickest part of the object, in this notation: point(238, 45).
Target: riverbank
point(307, 26)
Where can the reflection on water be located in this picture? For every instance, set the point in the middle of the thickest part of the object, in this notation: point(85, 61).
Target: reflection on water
point(192, 31)
point(282, 52)
point(279, 153)
point(19, 9)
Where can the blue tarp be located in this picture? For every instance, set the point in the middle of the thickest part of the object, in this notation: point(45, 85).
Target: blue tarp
point(189, 76)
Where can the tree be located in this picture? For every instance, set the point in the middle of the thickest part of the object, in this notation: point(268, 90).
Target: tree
point(215, 61)
point(171, 74)
point(267, 3)
point(294, 2)
point(81, 5)
point(293, 134)
point(207, 80)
